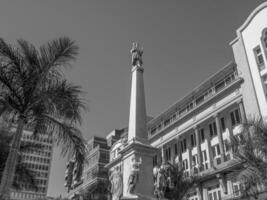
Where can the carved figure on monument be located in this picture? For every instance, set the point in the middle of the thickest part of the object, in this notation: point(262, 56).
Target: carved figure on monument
point(134, 175)
point(137, 53)
point(116, 184)
point(160, 183)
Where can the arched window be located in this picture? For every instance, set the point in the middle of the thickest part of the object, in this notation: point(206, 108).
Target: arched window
point(264, 41)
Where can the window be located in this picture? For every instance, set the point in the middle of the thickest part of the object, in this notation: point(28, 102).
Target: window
point(219, 86)
point(264, 40)
point(216, 150)
point(168, 154)
point(155, 160)
point(204, 159)
point(185, 164)
point(202, 135)
point(237, 189)
point(182, 111)
point(167, 122)
point(176, 149)
point(193, 140)
point(199, 100)
point(214, 193)
point(235, 117)
point(259, 57)
point(216, 153)
point(192, 196)
point(173, 117)
point(183, 145)
point(189, 106)
point(194, 160)
point(223, 124)
point(213, 129)
point(159, 126)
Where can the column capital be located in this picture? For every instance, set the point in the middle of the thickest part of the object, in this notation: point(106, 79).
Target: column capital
point(216, 115)
point(137, 68)
point(239, 101)
point(196, 127)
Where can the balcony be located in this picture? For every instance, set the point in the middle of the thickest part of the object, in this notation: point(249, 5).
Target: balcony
point(198, 101)
point(231, 197)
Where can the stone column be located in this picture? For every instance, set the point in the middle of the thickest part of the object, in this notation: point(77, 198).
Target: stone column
point(205, 193)
point(209, 153)
point(242, 111)
point(199, 192)
point(219, 132)
point(178, 157)
point(223, 183)
point(199, 157)
point(190, 156)
point(231, 134)
point(163, 160)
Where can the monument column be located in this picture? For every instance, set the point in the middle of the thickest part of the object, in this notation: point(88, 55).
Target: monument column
point(137, 155)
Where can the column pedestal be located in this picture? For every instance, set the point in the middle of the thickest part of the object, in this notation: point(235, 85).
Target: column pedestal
point(137, 162)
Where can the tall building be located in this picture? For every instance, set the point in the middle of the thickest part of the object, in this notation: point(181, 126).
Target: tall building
point(93, 171)
point(195, 131)
point(39, 162)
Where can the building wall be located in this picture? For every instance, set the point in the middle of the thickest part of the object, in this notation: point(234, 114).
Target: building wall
point(174, 131)
point(93, 169)
point(250, 34)
point(38, 161)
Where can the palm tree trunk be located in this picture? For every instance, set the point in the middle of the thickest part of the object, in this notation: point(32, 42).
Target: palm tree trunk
point(10, 166)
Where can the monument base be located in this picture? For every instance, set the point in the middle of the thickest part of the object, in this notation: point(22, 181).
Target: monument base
point(137, 159)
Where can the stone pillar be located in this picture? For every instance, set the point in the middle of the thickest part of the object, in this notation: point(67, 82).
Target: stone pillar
point(163, 160)
point(230, 186)
point(205, 193)
point(199, 192)
point(209, 153)
point(190, 157)
point(199, 157)
point(178, 157)
point(219, 132)
point(223, 183)
point(242, 111)
point(231, 134)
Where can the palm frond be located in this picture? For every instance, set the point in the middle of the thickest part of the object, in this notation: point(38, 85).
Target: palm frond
point(24, 175)
point(68, 137)
point(10, 54)
point(58, 52)
point(30, 54)
point(62, 100)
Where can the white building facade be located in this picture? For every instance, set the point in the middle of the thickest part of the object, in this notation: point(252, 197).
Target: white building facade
point(196, 130)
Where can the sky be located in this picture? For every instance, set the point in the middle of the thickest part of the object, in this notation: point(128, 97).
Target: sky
point(184, 43)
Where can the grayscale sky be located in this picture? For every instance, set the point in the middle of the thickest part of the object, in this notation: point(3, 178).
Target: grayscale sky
point(184, 42)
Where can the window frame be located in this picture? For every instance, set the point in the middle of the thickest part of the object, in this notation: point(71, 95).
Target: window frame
point(258, 57)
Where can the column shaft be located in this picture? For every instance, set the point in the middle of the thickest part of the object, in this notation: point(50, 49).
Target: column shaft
point(242, 112)
point(199, 157)
point(219, 132)
point(210, 152)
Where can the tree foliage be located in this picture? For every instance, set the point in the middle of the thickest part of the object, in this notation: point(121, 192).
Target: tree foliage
point(23, 175)
point(174, 184)
point(35, 93)
point(250, 149)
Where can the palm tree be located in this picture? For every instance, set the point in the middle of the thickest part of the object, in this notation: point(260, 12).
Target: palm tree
point(250, 149)
point(175, 185)
point(35, 93)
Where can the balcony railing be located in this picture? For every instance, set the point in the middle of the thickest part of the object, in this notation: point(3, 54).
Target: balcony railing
point(196, 102)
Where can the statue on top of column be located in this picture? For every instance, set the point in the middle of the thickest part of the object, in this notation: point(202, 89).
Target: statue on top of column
point(137, 53)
